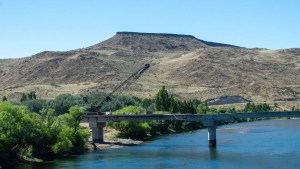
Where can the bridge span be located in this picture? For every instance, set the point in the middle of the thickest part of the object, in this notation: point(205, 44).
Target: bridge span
point(97, 122)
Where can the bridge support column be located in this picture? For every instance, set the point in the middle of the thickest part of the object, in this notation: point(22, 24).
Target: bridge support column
point(97, 130)
point(212, 133)
point(98, 133)
point(212, 136)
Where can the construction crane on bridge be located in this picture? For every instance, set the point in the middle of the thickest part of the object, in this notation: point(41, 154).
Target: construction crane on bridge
point(95, 110)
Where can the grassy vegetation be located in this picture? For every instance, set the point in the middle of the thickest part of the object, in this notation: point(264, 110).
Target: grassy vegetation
point(26, 135)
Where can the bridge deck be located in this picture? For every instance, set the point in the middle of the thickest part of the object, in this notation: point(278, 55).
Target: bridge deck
point(97, 122)
point(191, 117)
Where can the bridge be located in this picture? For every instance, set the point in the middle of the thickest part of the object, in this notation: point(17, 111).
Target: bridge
point(97, 122)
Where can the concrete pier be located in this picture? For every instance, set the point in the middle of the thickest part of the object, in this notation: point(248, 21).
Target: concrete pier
point(97, 130)
point(212, 132)
point(212, 136)
point(98, 133)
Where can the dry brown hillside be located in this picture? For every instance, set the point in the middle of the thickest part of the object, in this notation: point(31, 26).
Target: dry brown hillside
point(187, 66)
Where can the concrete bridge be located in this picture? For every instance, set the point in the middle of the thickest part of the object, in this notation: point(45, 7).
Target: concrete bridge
point(97, 122)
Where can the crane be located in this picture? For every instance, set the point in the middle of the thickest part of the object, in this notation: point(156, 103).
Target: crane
point(132, 78)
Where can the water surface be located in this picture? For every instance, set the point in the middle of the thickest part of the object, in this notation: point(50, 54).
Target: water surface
point(261, 144)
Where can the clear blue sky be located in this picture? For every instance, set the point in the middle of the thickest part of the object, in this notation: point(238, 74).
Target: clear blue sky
point(31, 26)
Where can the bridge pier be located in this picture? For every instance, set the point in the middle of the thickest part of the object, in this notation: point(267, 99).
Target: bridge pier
point(98, 133)
point(97, 130)
point(212, 137)
point(212, 133)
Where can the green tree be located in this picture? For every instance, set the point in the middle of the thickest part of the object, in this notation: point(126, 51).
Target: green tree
point(162, 100)
point(23, 133)
point(18, 131)
point(24, 97)
point(251, 107)
point(31, 96)
point(72, 137)
point(42, 145)
point(133, 130)
point(145, 103)
point(4, 98)
point(28, 96)
point(35, 105)
point(130, 110)
point(202, 109)
point(174, 107)
point(62, 103)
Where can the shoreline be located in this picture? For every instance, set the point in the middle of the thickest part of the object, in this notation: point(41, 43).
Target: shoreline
point(111, 141)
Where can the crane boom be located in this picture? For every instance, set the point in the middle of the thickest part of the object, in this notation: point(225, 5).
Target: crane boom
point(133, 77)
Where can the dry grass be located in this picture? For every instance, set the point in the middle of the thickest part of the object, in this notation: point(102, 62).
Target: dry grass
point(185, 66)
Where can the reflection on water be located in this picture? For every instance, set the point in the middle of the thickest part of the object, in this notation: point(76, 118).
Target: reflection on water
point(213, 154)
point(262, 144)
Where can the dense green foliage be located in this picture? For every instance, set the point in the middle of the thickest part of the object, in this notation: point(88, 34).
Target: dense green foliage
point(4, 98)
point(25, 134)
point(184, 106)
point(251, 107)
point(28, 96)
point(129, 110)
point(143, 130)
point(62, 103)
point(130, 129)
point(163, 104)
point(162, 100)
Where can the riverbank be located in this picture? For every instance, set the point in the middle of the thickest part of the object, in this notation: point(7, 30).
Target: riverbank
point(111, 141)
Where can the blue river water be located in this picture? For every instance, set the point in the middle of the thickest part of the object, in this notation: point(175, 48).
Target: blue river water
point(261, 144)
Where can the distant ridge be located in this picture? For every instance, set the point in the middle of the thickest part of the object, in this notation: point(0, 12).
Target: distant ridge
point(156, 34)
point(212, 44)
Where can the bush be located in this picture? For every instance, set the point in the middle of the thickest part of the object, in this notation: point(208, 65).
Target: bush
point(130, 110)
point(251, 107)
point(62, 103)
point(22, 131)
point(35, 105)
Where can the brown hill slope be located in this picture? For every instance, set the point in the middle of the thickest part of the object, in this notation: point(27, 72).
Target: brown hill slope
point(187, 66)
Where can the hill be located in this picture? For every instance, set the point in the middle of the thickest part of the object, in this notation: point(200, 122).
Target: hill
point(187, 66)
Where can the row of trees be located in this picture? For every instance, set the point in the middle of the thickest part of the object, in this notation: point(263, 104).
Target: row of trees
point(26, 134)
point(165, 102)
point(143, 130)
point(162, 102)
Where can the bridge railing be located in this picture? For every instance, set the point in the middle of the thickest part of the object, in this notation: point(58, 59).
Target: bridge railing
point(192, 117)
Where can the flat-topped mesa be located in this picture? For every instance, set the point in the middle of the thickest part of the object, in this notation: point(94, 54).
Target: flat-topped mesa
point(170, 35)
point(156, 34)
point(155, 42)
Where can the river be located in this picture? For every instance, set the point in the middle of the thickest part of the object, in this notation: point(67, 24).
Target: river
point(261, 144)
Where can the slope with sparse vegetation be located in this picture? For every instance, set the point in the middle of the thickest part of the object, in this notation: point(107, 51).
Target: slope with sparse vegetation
point(189, 67)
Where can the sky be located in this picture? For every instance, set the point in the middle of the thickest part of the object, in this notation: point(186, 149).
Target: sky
point(28, 27)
